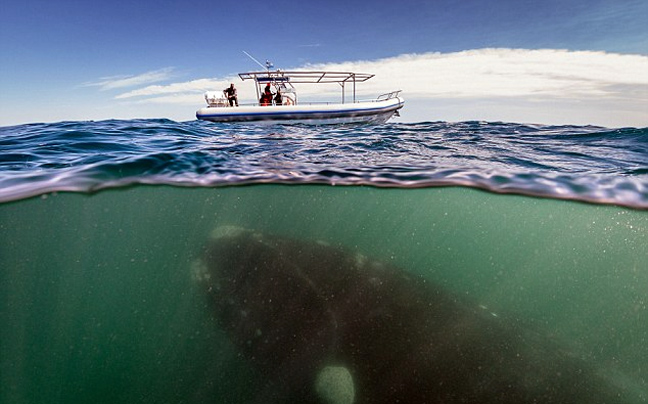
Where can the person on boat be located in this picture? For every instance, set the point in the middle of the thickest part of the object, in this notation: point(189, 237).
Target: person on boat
point(230, 94)
point(265, 100)
point(268, 91)
point(278, 99)
point(266, 97)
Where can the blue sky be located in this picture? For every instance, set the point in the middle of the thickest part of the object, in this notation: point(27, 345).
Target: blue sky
point(77, 60)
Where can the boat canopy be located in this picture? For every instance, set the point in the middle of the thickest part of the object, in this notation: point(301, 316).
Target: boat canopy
point(286, 79)
point(304, 76)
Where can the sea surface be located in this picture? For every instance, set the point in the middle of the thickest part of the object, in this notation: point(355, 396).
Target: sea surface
point(101, 223)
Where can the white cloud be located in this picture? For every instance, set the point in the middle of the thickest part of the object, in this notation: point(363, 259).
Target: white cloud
point(175, 98)
point(196, 86)
point(187, 92)
point(544, 86)
point(505, 73)
point(113, 82)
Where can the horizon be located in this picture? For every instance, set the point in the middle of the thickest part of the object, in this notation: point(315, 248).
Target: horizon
point(571, 62)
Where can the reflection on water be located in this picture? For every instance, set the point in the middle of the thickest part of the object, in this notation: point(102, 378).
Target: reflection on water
point(99, 303)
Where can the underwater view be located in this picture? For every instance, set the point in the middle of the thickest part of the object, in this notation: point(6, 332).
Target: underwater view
point(152, 261)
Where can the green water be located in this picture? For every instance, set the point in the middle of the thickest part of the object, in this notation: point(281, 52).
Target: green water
point(97, 303)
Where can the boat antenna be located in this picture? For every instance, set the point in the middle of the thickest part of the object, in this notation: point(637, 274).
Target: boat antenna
point(259, 63)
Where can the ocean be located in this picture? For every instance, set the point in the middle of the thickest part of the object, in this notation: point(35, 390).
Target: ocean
point(102, 223)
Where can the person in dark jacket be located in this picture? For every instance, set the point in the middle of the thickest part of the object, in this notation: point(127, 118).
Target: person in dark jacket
point(268, 91)
point(230, 94)
point(278, 99)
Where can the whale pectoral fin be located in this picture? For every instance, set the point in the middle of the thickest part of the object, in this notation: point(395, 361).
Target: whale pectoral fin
point(199, 271)
point(334, 385)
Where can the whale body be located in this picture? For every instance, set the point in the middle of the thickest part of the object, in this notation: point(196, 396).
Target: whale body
point(312, 318)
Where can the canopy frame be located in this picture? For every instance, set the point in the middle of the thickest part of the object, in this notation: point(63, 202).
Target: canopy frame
point(285, 79)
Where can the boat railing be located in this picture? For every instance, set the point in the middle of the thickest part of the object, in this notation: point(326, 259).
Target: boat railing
point(223, 103)
point(257, 104)
point(388, 96)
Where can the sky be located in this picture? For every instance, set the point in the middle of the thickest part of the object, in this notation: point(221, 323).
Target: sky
point(528, 61)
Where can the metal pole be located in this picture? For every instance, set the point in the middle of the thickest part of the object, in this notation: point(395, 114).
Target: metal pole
point(256, 61)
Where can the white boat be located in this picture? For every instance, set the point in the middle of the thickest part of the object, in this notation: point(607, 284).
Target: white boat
point(291, 110)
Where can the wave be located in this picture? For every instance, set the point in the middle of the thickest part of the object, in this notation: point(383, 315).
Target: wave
point(583, 163)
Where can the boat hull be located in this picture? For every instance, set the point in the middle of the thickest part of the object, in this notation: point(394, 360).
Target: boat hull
point(374, 112)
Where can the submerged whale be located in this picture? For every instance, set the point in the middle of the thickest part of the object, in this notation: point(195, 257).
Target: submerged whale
point(324, 325)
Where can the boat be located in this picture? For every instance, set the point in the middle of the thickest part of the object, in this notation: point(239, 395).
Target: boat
point(293, 111)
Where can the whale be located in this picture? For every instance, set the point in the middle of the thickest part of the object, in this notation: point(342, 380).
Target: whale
point(320, 323)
